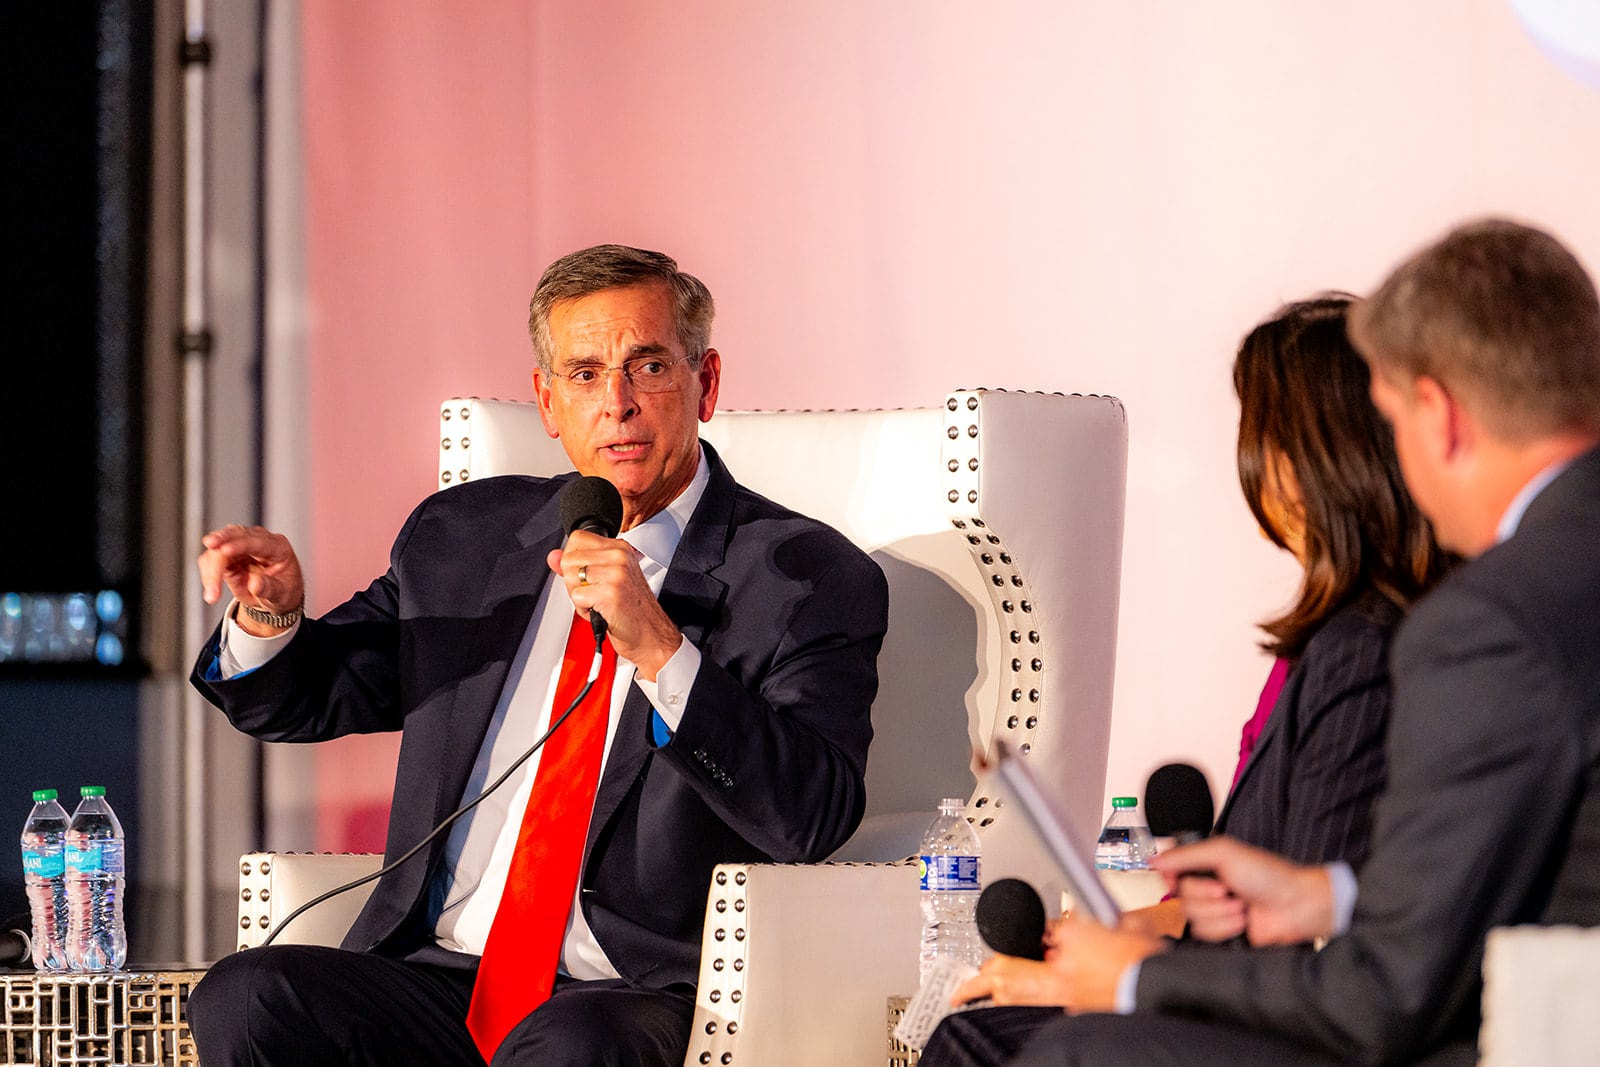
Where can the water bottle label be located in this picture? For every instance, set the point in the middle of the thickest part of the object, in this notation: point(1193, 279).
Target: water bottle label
point(44, 864)
point(959, 873)
point(104, 856)
point(83, 857)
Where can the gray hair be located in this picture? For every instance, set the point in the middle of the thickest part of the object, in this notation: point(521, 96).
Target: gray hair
point(593, 270)
point(1501, 313)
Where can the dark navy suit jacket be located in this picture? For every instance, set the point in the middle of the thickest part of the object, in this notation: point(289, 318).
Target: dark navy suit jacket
point(767, 763)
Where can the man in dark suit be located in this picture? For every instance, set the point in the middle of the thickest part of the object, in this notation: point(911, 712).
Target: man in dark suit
point(1485, 349)
point(736, 728)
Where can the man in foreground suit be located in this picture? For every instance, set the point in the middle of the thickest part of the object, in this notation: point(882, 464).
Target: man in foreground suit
point(736, 729)
point(1485, 350)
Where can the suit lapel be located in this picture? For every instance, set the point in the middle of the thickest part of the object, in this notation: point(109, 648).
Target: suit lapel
point(510, 597)
point(1275, 726)
point(692, 599)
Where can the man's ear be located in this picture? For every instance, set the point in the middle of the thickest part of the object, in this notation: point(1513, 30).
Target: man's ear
point(542, 395)
point(710, 375)
point(1444, 427)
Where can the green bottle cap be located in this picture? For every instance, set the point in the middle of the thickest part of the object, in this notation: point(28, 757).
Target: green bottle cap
point(92, 791)
point(41, 796)
point(1124, 802)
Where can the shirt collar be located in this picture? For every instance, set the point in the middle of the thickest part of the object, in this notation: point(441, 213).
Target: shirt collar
point(1519, 503)
point(657, 537)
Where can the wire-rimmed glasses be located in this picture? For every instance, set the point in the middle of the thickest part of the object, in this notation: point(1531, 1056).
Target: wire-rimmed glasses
point(647, 374)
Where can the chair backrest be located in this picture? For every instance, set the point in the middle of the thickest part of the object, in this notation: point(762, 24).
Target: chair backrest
point(997, 518)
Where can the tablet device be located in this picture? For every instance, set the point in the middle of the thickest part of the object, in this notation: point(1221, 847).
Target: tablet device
point(1053, 827)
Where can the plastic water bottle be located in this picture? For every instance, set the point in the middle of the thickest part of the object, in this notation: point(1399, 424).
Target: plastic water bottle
point(949, 869)
point(44, 871)
point(1125, 843)
point(96, 940)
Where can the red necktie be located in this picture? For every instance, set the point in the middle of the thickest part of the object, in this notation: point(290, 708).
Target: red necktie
point(518, 968)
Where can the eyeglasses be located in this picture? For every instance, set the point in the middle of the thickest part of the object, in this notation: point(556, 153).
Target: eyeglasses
point(647, 374)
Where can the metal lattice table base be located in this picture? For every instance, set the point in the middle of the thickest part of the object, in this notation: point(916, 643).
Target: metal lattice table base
point(128, 1019)
point(900, 1054)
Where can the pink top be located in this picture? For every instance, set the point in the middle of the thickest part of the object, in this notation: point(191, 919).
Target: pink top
point(1258, 722)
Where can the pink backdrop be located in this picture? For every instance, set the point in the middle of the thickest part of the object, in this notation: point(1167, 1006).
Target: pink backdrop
point(893, 200)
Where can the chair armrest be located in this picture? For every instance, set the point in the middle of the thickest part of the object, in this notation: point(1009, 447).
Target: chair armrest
point(798, 962)
point(1540, 988)
point(273, 884)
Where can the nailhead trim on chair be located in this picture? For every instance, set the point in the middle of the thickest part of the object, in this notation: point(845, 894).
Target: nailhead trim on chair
point(256, 913)
point(447, 411)
point(722, 977)
point(1009, 593)
point(713, 1038)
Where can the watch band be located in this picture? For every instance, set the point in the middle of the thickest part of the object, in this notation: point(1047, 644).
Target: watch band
point(267, 618)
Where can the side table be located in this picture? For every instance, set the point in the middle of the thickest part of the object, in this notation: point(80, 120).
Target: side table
point(133, 1018)
point(900, 1054)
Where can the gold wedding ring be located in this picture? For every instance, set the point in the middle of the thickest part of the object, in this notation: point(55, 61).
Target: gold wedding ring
point(583, 574)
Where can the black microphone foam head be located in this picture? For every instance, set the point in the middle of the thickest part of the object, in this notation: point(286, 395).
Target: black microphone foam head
point(1010, 919)
point(15, 948)
point(591, 503)
point(1177, 802)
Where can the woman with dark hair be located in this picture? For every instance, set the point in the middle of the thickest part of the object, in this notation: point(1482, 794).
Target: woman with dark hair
point(1318, 469)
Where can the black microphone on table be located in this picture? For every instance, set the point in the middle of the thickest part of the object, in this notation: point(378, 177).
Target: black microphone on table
point(1178, 804)
point(15, 945)
point(1010, 918)
point(591, 503)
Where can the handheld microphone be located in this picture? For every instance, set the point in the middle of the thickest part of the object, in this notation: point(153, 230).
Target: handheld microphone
point(1011, 919)
point(588, 503)
point(591, 503)
point(1178, 804)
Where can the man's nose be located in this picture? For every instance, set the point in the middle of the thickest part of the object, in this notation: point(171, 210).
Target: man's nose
point(620, 396)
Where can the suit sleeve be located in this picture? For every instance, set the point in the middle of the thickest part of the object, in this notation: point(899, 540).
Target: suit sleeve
point(1484, 758)
point(339, 674)
point(778, 751)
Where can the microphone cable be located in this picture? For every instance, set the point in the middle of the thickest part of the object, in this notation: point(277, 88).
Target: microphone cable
point(594, 671)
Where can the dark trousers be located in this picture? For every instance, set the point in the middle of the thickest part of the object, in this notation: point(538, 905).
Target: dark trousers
point(305, 1005)
point(1157, 1041)
point(1169, 1041)
point(984, 1037)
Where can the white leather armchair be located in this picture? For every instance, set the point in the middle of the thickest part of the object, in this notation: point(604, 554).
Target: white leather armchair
point(1540, 988)
point(997, 518)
